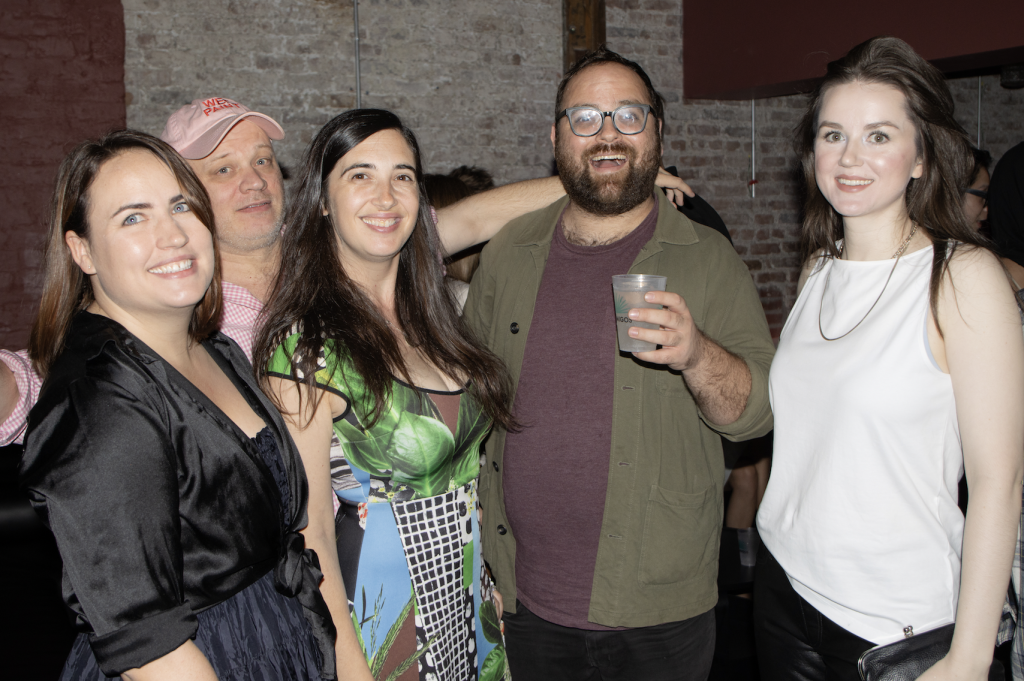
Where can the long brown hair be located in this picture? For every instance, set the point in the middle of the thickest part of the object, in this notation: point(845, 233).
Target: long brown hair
point(315, 294)
point(66, 289)
point(935, 200)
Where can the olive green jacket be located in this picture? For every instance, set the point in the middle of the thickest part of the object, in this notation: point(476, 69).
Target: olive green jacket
point(657, 560)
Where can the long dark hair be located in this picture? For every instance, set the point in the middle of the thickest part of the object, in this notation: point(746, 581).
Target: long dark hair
point(66, 289)
point(935, 200)
point(315, 294)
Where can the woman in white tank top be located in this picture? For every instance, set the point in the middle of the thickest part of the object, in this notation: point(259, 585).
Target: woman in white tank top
point(901, 367)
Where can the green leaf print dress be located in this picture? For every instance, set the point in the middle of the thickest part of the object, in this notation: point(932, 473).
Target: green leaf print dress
point(408, 533)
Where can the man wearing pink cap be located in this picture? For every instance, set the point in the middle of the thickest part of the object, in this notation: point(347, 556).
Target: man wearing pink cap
point(229, 147)
point(196, 130)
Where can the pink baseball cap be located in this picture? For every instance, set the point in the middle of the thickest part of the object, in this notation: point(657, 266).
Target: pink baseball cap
point(195, 130)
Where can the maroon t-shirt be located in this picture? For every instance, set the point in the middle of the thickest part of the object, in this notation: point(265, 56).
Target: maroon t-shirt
point(556, 467)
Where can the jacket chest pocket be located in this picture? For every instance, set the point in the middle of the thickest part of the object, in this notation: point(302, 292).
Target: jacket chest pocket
point(680, 535)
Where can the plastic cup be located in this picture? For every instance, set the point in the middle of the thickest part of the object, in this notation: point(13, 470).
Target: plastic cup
point(629, 290)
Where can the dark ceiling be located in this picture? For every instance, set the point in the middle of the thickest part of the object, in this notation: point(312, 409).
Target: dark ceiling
point(739, 49)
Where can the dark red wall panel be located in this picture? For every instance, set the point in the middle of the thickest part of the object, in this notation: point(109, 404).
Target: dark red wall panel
point(742, 49)
point(61, 81)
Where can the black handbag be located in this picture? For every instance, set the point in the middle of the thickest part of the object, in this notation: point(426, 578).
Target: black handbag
point(907, 659)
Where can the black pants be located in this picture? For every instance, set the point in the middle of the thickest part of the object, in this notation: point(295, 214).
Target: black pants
point(539, 650)
point(795, 642)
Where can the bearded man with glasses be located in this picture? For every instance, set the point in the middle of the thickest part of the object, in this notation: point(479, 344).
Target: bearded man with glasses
point(602, 513)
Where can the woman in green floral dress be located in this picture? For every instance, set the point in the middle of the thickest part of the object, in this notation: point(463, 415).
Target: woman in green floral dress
point(362, 344)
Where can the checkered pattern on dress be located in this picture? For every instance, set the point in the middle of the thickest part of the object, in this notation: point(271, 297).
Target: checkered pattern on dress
point(434, 532)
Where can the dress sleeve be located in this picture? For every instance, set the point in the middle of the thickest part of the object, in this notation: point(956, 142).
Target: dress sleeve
point(29, 382)
point(101, 468)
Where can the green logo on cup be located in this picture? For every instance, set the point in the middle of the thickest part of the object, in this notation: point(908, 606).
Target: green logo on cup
point(621, 306)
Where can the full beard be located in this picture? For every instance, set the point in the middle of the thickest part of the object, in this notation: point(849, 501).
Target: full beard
point(612, 194)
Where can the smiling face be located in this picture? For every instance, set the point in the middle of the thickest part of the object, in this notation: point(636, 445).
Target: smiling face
point(865, 151)
point(246, 189)
point(372, 199)
point(608, 173)
point(146, 253)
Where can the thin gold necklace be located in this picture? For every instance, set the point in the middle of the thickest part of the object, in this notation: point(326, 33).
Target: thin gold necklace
point(828, 277)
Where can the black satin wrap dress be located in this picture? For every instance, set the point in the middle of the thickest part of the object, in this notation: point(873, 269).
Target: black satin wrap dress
point(161, 506)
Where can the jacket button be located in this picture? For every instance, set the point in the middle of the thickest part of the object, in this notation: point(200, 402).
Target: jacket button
point(501, 529)
point(514, 328)
point(495, 465)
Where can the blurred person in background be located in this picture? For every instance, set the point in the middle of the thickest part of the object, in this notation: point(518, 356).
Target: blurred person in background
point(976, 195)
point(1006, 212)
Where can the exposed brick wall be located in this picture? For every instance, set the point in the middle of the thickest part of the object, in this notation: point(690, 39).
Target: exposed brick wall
point(709, 141)
point(765, 227)
point(292, 60)
point(62, 78)
point(476, 80)
point(1002, 113)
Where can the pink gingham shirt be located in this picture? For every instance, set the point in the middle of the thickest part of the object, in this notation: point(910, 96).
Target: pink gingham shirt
point(238, 322)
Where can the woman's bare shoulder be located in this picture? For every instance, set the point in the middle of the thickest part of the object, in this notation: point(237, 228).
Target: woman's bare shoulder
point(970, 266)
point(975, 289)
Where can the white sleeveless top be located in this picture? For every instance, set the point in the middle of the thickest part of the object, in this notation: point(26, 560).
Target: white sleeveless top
point(861, 506)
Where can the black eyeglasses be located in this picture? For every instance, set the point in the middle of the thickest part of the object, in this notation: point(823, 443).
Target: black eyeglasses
point(586, 121)
point(980, 193)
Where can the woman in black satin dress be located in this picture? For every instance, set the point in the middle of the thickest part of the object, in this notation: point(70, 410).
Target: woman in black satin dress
point(169, 481)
